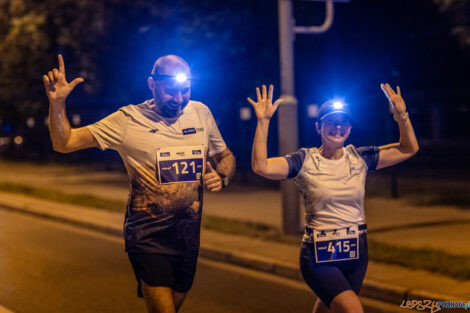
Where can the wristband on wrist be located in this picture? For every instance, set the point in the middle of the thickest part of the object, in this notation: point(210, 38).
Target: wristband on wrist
point(401, 118)
point(224, 180)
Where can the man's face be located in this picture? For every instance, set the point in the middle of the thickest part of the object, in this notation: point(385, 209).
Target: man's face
point(170, 95)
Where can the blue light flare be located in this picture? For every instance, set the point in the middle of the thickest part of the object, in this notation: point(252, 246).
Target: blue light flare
point(338, 105)
point(181, 78)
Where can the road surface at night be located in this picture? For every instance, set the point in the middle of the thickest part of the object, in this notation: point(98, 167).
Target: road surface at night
point(48, 267)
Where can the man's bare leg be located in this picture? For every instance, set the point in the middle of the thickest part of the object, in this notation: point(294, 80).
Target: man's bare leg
point(178, 298)
point(158, 299)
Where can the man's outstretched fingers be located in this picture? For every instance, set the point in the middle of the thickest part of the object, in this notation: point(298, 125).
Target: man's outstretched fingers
point(55, 72)
point(76, 81)
point(61, 64)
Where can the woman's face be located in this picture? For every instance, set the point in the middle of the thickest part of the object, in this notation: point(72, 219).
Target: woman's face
point(334, 130)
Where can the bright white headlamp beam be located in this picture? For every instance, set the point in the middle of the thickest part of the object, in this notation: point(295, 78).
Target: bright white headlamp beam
point(338, 105)
point(181, 78)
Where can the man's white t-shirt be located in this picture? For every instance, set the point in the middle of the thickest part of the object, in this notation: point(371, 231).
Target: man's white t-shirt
point(165, 159)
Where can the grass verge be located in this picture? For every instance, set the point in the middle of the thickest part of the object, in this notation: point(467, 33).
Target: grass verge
point(248, 229)
point(456, 266)
point(59, 196)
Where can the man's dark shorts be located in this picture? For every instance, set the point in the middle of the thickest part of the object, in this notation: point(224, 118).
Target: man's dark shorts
point(164, 270)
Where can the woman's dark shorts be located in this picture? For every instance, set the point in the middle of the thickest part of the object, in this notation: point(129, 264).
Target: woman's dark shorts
point(330, 279)
point(164, 270)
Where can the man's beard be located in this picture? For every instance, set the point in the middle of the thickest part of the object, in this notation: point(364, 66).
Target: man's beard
point(170, 109)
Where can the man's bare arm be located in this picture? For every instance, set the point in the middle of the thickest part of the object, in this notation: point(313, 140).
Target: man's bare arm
point(64, 138)
point(225, 161)
point(225, 165)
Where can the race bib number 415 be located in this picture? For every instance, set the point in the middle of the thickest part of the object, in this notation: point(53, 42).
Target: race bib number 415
point(180, 164)
point(337, 245)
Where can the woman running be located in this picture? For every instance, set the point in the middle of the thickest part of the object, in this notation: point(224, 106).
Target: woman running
point(331, 180)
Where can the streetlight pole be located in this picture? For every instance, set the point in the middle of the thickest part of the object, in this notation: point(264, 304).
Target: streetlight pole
point(287, 112)
point(287, 115)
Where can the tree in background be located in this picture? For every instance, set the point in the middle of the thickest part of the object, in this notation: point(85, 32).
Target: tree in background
point(32, 32)
point(105, 41)
point(459, 13)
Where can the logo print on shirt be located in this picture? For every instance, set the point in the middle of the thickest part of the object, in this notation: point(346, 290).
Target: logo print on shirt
point(188, 131)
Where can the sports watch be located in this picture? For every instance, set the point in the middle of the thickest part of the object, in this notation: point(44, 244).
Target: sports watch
point(224, 180)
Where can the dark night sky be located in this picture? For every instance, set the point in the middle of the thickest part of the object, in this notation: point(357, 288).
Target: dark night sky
point(402, 42)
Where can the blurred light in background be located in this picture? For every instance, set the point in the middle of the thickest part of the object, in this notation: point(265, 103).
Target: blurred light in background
point(5, 141)
point(46, 121)
point(312, 110)
point(76, 119)
point(245, 114)
point(18, 140)
point(6, 128)
point(30, 122)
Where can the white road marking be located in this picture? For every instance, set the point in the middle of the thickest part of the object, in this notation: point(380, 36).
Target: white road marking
point(5, 310)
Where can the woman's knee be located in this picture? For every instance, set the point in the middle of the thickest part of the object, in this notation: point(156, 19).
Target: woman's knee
point(346, 302)
point(320, 307)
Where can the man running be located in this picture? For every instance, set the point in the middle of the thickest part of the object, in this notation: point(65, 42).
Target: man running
point(170, 146)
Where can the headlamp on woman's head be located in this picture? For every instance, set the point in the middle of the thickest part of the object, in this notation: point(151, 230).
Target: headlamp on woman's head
point(333, 107)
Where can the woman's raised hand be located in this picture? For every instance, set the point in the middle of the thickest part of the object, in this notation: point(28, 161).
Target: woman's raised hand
point(264, 108)
point(397, 104)
point(57, 87)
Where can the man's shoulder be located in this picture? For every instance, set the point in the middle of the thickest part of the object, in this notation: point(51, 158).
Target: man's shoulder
point(197, 105)
point(139, 112)
point(132, 108)
point(197, 108)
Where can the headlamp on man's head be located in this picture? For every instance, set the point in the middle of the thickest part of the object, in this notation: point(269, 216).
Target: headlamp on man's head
point(178, 78)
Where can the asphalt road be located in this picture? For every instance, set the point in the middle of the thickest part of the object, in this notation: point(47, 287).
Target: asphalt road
point(49, 267)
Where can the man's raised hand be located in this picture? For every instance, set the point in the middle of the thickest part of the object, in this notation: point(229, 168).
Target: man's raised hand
point(57, 88)
point(265, 108)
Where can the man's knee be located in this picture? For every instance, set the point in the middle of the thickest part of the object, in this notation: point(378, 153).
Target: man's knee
point(158, 299)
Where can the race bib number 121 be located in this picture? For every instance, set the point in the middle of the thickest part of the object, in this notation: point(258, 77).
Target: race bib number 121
point(180, 164)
